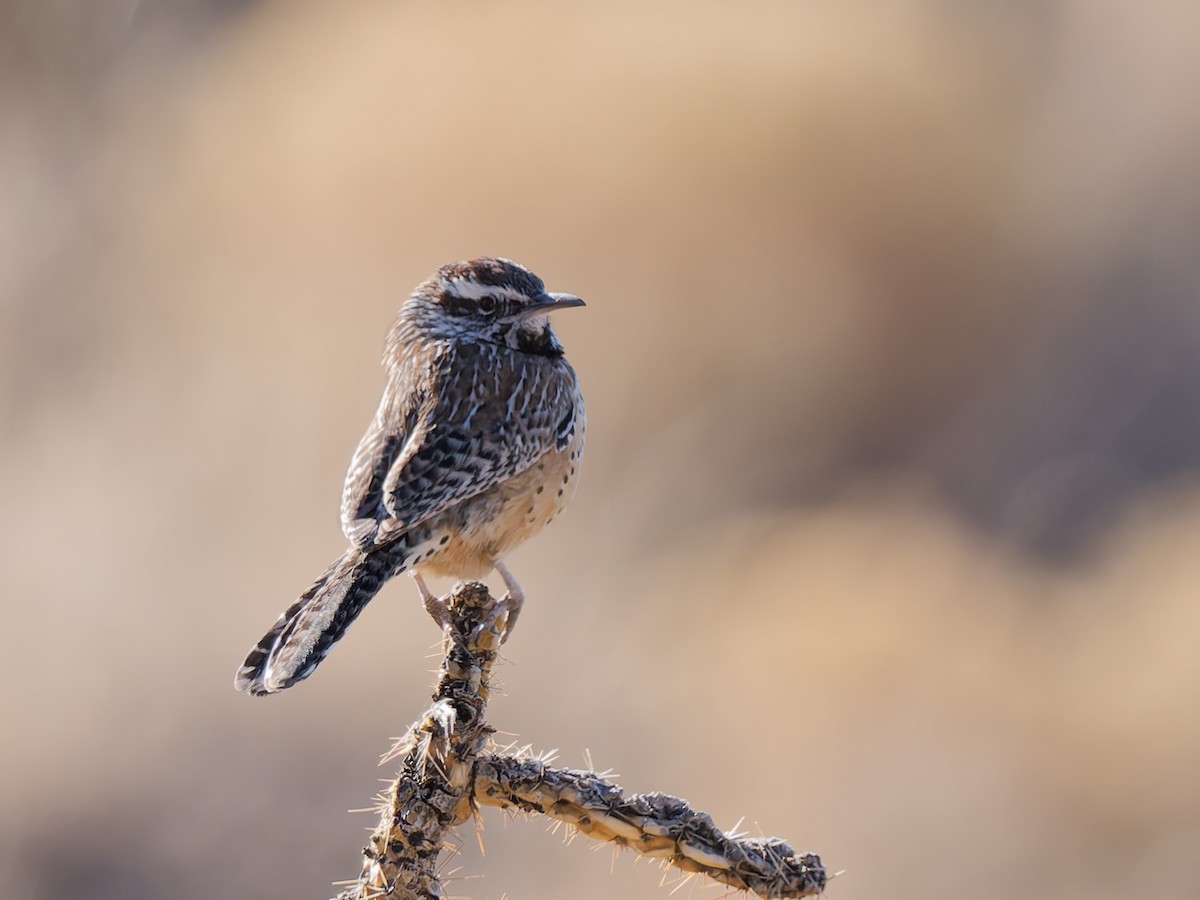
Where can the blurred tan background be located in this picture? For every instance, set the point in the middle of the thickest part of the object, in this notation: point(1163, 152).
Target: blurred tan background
point(886, 539)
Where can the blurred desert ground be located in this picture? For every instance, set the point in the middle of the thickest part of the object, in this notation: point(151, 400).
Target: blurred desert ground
point(887, 535)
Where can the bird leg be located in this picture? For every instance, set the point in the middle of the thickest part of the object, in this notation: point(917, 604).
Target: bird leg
point(512, 601)
point(435, 606)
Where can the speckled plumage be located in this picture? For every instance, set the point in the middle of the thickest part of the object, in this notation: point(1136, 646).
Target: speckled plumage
point(476, 446)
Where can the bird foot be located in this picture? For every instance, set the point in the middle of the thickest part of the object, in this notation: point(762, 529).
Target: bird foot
point(511, 604)
point(511, 601)
point(437, 607)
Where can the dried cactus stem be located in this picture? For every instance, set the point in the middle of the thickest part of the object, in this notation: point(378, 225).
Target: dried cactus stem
point(655, 825)
point(444, 776)
point(433, 791)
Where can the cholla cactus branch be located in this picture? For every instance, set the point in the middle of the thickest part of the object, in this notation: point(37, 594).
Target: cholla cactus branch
point(444, 776)
point(434, 789)
point(655, 825)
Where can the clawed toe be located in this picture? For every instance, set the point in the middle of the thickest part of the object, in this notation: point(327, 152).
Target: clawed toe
point(512, 601)
point(512, 604)
point(437, 607)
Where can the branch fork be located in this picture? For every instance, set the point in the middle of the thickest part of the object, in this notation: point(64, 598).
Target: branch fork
point(445, 775)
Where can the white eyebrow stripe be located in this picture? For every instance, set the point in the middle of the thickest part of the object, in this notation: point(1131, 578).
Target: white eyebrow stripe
point(473, 290)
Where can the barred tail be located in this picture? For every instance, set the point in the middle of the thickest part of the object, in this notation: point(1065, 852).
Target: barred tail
point(310, 627)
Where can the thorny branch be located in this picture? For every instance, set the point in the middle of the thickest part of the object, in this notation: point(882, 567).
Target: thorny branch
point(445, 775)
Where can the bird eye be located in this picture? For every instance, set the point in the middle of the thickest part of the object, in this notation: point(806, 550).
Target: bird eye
point(487, 305)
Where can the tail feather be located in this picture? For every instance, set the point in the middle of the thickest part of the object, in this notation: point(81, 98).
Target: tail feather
point(301, 637)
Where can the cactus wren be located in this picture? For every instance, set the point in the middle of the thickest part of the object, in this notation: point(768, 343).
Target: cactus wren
point(476, 446)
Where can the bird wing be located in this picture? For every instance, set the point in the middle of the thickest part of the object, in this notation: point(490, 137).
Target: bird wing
point(362, 497)
point(485, 414)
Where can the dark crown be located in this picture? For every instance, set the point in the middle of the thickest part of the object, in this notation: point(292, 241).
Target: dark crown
point(491, 272)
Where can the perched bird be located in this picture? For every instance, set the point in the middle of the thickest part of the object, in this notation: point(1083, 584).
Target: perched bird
point(476, 446)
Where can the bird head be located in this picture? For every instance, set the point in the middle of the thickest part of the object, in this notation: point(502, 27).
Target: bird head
point(487, 299)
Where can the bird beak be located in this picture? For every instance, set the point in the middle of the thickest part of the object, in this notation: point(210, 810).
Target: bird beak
point(549, 303)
